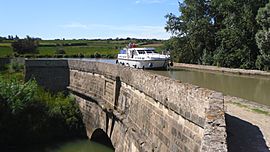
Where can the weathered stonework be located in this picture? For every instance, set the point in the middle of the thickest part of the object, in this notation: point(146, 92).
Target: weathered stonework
point(53, 75)
point(141, 111)
point(4, 62)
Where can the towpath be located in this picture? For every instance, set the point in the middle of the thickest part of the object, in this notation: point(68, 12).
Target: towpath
point(247, 130)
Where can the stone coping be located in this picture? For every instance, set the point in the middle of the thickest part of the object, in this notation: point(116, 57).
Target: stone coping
point(222, 69)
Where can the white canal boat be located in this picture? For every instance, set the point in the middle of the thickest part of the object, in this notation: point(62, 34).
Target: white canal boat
point(143, 58)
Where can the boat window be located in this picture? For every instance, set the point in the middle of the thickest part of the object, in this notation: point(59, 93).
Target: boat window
point(141, 52)
point(149, 51)
point(122, 51)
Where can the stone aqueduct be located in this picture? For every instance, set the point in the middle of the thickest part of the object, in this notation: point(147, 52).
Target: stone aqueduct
point(138, 111)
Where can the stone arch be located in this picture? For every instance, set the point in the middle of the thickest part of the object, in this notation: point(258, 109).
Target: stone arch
point(101, 137)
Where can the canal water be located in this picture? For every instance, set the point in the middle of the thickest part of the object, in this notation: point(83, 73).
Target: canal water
point(255, 89)
point(83, 145)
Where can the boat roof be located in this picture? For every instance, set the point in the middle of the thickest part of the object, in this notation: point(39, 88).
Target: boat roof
point(138, 49)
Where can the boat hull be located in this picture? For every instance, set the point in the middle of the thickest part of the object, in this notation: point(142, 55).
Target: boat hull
point(144, 64)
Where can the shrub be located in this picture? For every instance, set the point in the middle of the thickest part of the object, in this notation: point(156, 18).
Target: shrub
point(60, 51)
point(30, 115)
point(97, 55)
point(17, 94)
point(80, 55)
point(15, 54)
point(23, 46)
point(58, 56)
point(15, 67)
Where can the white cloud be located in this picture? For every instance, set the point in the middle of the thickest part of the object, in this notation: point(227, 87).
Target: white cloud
point(138, 2)
point(137, 31)
point(75, 25)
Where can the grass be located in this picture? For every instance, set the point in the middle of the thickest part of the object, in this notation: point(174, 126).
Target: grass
point(71, 50)
point(5, 44)
point(240, 105)
point(5, 51)
point(87, 48)
point(256, 110)
point(7, 75)
point(261, 111)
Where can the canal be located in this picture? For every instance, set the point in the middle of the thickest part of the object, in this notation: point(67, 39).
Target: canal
point(251, 88)
point(82, 145)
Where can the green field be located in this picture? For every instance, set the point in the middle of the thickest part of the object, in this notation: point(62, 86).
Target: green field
point(5, 51)
point(79, 48)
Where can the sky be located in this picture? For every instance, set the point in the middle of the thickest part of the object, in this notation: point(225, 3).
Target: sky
point(90, 19)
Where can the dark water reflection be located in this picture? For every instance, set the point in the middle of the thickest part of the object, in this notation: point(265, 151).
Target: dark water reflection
point(251, 88)
point(83, 145)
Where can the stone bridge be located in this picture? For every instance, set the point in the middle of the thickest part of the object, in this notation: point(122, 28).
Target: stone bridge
point(137, 110)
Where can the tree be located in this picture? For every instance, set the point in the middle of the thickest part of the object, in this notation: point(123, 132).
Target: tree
point(216, 32)
point(24, 46)
point(194, 29)
point(2, 38)
point(263, 37)
point(236, 28)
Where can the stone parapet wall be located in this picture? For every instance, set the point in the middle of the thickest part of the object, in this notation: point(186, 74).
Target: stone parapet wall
point(188, 100)
point(4, 62)
point(157, 127)
point(196, 106)
point(53, 75)
point(138, 110)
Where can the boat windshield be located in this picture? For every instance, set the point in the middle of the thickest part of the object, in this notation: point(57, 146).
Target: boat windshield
point(151, 51)
point(146, 51)
point(141, 52)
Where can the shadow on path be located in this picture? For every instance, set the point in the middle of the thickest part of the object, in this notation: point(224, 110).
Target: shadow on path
point(243, 136)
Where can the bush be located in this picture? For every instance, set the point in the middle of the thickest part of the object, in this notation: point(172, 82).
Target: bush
point(74, 55)
point(17, 95)
point(28, 56)
point(60, 51)
point(80, 55)
point(97, 55)
point(23, 46)
point(15, 67)
point(15, 54)
point(30, 115)
point(58, 56)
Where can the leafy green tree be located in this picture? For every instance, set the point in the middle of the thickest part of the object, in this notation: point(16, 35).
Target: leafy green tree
point(194, 29)
point(263, 37)
point(215, 32)
point(25, 46)
point(236, 28)
point(2, 38)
